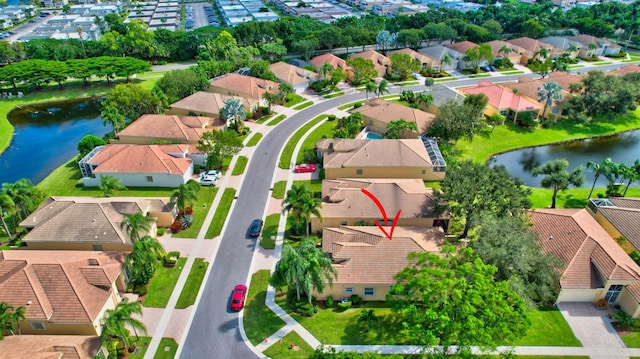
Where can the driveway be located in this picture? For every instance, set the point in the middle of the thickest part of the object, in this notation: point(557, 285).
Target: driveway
point(592, 327)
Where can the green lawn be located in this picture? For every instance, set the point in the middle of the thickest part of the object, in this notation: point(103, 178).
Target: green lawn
point(162, 284)
point(287, 151)
point(479, 75)
point(221, 213)
point(166, 349)
point(325, 130)
point(254, 139)
point(409, 83)
point(575, 66)
point(348, 106)
point(548, 328)
point(314, 186)
point(386, 97)
point(335, 94)
point(571, 198)
point(264, 119)
point(205, 197)
point(278, 189)
point(192, 285)
point(303, 105)
point(142, 343)
point(516, 72)
point(259, 321)
point(631, 340)
point(240, 166)
point(63, 181)
point(445, 79)
point(296, 100)
point(269, 230)
point(509, 136)
point(600, 63)
point(283, 350)
point(276, 120)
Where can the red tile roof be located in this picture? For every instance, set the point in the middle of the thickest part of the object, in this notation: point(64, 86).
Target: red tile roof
point(385, 111)
point(244, 85)
point(141, 159)
point(379, 153)
point(500, 97)
point(171, 127)
point(332, 59)
point(49, 346)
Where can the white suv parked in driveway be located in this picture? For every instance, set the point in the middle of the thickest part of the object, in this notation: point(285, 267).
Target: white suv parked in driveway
point(208, 180)
point(211, 173)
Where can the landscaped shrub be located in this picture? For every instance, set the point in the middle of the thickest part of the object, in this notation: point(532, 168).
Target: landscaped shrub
point(161, 231)
point(357, 104)
point(171, 259)
point(342, 306)
point(329, 302)
point(623, 319)
point(176, 226)
point(602, 304)
point(306, 309)
point(187, 220)
point(355, 299)
point(332, 117)
point(141, 290)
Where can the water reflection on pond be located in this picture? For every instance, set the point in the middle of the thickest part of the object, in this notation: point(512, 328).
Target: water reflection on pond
point(622, 148)
point(47, 135)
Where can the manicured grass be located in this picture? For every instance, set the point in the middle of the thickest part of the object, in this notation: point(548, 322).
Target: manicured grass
point(282, 349)
point(410, 83)
point(314, 186)
point(264, 119)
point(296, 100)
point(240, 166)
point(254, 139)
point(509, 136)
point(575, 66)
point(192, 285)
point(631, 340)
point(571, 198)
point(276, 120)
point(279, 189)
point(287, 151)
point(259, 321)
point(205, 197)
point(513, 72)
point(600, 63)
point(335, 94)
point(386, 97)
point(221, 213)
point(445, 79)
point(142, 343)
point(64, 179)
point(162, 284)
point(348, 106)
point(479, 75)
point(269, 230)
point(303, 105)
point(325, 130)
point(166, 349)
point(433, 184)
point(548, 328)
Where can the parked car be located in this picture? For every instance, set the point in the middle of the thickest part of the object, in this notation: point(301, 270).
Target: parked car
point(305, 167)
point(211, 173)
point(255, 228)
point(208, 181)
point(237, 299)
point(485, 68)
point(417, 76)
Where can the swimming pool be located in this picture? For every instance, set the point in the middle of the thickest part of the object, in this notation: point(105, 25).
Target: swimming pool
point(373, 136)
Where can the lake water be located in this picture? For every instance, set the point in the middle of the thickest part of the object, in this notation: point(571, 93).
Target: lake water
point(622, 148)
point(47, 135)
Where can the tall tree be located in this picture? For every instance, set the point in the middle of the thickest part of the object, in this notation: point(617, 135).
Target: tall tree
point(557, 177)
point(471, 189)
point(109, 184)
point(404, 65)
point(112, 116)
point(452, 302)
point(370, 87)
point(185, 195)
point(607, 168)
point(142, 262)
point(399, 128)
point(632, 174)
point(7, 206)
point(549, 92)
point(10, 318)
point(456, 120)
point(363, 70)
point(217, 145)
point(300, 204)
point(136, 225)
point(132, 101)
point(383, 87)
point(368, 316)
point(116, 322)
point(25, 195)
point(233, 113)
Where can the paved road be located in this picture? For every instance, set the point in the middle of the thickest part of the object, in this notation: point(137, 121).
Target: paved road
point(214, 331)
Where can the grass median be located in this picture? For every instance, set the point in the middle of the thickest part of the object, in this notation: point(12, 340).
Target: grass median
point(254, 139)
point(270, 231)
point(287, 151)
point(325, 130)
point(259, 321)
point(193, 283)
point(221, 213)
point(241, 165)
point(162, 284)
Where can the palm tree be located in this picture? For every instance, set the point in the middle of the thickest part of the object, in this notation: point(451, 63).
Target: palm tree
point(10, 318)
point(310, 206)
point(543, 53)
point(325, 69)
point(136, 223)
point(557, 177)
point(424, 100)
point(370, 87)
point(396, 128)
point(368, 316)
point(233, 113)
point(6, 206)
point(184, 196)
point(505, 50)
point(109, 184)
point(632, 174)
point(25, 195)
point(549, 92)
point(383, 87)
point(446, 60)
point(116, 321)
point(298, 204)
point(606, 168)
point(81, 35)
point(572, 48)
point(111, 115)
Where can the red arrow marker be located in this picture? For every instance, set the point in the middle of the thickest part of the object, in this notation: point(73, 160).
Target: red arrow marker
point(384, 215)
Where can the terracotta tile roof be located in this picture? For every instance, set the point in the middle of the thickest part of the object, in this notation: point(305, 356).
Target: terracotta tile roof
point(245, 85)
point(365, 255)
point(585, 249)
point(529, 87)
point(533, 45)
point(208, 102)
point(422, 58)
point(49, 347)
point(626, 69)
point(378, 153)
point(343, 198)
point(385, 111)
point(563, 79)
point(634, 289)
point(140, 159)
point(86, 219)
point(332, 59)
point(61, 286)
point(624, 216)
point(293, 75)
point(588, 39)
point(501, 98)
point(378, 59)
point(462, 46)
point(496, 45)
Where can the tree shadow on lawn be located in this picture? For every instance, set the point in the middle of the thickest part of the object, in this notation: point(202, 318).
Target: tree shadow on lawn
point(571, 202)
point(387, 331)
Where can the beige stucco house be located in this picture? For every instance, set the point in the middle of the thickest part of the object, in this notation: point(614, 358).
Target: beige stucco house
point(344, 203)
point(530, 48)
point(151, 128)
point(503, 100)
point(515, 54)
point(593, 266)
point(381, 63)
point(91, 223)
point(64, 292)
point(295, 76)
point(366, 260)
point(248, 87)
point(426, 62)
point(619, 216)
point(404, 158)
point(527, 88)
point(331, 59)
point(377, 113)
point(207, 104)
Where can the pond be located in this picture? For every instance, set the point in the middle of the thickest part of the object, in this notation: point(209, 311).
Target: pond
point(621, 148)
point(46, 135)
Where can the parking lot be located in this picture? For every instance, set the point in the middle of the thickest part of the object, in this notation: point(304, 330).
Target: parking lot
point(200, 15)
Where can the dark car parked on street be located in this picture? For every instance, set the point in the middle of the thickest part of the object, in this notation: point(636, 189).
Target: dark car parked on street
point(255, 228)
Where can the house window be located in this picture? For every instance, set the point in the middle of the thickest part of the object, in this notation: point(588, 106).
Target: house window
point(424, 172)
point(97, 247)
point(348, 290)
point(359, 172)
point(369, 292)
point(343, 223)
point(613, 293)
point(37, 326)
point(149, 178)
point(370, 122)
